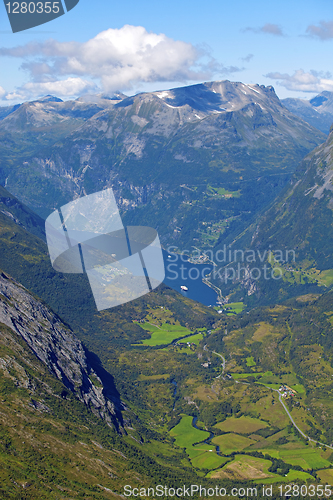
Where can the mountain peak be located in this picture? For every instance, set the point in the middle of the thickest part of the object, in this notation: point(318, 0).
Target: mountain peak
point(217, 96)
point(49, 98)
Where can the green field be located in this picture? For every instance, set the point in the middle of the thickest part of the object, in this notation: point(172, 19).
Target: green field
point(202, 455)
point(293, 475)
point(233, 308)
point(194, 339)
point(271, 386)
point(326, 476)
point(231, 442)
point(242, 425)
point(298, 388)
point(208, 460)
point(222, 192)
point(245, 375)
point(186, 435)
point(198, 449)
point(162, 376)
point(326, 277)
point(307, 458)
point(164, 334)
point(250, 361)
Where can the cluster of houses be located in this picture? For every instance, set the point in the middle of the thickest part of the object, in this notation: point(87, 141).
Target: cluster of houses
point(287, 391)
point(185, 344)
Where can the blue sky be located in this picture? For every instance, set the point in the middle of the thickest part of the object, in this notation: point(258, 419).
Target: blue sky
point(103, 46)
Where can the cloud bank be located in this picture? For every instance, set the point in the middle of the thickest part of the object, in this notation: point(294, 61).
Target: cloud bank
point(313, 81)
point(115, 59)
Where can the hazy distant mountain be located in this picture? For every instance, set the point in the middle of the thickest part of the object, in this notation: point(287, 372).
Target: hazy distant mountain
point(299, 220)
point(302, 216)
point(188, 161)
point(318, 111)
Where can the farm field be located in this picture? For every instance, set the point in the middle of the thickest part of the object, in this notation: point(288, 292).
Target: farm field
point(202, 455)
point(242, 425)
point(244, 467)
point(198, 449)
point(194, 339)
point(163, 334)
point(236, 376)
point(186, 435)
point(222, 192)
point(307, 458)
point(233, 308)
point(163, 376)
point(208, 460)
point(326, 476)
point(293, 475)
point(231, 442)
point(270, 380)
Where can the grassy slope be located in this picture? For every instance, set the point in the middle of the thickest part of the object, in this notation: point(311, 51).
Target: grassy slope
point(51, 444)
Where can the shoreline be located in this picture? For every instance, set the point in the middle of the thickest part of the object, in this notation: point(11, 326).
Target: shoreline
point(220, 299)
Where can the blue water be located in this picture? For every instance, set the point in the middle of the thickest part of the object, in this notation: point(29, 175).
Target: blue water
point(178, 271)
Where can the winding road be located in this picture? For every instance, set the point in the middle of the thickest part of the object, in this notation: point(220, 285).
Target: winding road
point(294, 423)
point(222, 364)
point(223, 360)
point(280, 399)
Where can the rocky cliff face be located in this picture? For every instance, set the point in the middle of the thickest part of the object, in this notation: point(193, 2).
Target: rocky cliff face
point(56, 346)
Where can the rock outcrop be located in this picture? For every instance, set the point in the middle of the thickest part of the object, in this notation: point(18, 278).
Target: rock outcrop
point(56, 346)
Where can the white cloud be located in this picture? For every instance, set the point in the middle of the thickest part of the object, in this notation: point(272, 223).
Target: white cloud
point(116, 58)
point(2, 92)
point(324, 31)
point(268, 28)
point(69, 87)
point(313, 81)
point(15, 96)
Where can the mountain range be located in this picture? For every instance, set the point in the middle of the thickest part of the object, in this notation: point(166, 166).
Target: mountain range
point(164, 389)
point(190, 162)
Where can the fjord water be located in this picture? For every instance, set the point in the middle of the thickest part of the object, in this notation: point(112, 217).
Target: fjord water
point(179, 271)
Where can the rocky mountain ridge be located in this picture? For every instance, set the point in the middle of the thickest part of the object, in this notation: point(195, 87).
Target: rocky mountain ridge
point(55, 345)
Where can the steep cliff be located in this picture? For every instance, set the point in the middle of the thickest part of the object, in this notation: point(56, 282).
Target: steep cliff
point(56, 346)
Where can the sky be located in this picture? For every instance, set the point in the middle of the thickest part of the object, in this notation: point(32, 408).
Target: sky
point(140, 46)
